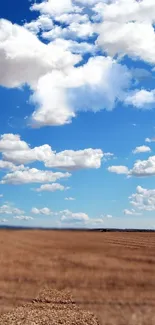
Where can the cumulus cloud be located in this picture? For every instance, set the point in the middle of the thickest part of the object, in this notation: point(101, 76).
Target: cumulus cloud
point(12, 142)
point(9, 165)
point(24, 58)
point(72, 31)
point(43, 22)
point(53, 7)
point(118, 169)
point(68, 159)
point(141, 99)
point(150, 140)
point(71, 217)
point(75, 47)
point(141, 168)
point(61, 84)
point(59, 96)
point(32, 175)
point(51, 188)
point(95, 222)
point(24, 218)
point(7, 209)
point(65, 216)
point(45, 211)
point(141, 149)
point(131, 212)
point(143, 199)
point(49, 70)
point(108, 216)
point(127, 28)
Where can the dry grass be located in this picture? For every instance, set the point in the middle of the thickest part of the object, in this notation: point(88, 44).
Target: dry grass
point(110, 274)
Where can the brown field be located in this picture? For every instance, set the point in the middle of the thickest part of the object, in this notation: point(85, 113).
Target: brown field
point(109, 274)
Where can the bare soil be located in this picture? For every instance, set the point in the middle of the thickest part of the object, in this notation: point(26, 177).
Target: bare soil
point(109, 274)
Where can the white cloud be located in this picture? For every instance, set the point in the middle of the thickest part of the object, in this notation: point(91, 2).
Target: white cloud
point(70, 18)
point(59, 89)
point(95, 222)
point(141, 168)
point(143, 199)
point(69, 198)
point(32, 176)
point(7, 209)
point(144, 168)
point(127, 28)
point(74, 46)
point(51, 101)
point(1, 195)
point(141, 149)
point(56, 84)
point(141, 98)
point(108, 216)
point(125, 11)
point(70, 217)
point(24, 218)
point(131, 212)
point(12, 142)
point(43, 22)
point(68, 159)
point(72, 31)
point(24, 58)
point(53, 8)
point(64, 216)
point(150, 140)
point(118, 169)
point(51, 187)
point(9, 165)
point(44, 211)
point(59, 96)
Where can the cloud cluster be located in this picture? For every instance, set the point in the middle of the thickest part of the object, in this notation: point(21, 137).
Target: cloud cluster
point(51, 188)
point(127, 28)
point(141, 99)
point(44, 211)
point(118, 169)
point(19, 152)
point(16, 153)
point(32, 175)
point(23, 218)
point(141, 168)
point(141, 149)
point(47, 54)
point(150, 140)
point(66, 216)
point(131, 212)
point(10, 210)
point(143, 199)
point(49, 68)
point(70, 217)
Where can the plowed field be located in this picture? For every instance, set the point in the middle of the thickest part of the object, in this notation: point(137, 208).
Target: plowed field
point(109, 274)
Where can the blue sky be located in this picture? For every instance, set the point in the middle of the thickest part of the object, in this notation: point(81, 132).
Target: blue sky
point(77, 113)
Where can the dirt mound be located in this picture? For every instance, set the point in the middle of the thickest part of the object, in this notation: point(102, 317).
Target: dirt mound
point(51, 307)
